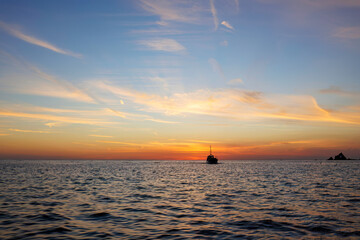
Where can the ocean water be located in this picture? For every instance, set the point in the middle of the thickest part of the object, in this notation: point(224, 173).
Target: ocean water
point(179, 200)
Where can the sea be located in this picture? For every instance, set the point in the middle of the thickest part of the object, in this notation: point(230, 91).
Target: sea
point(95, 199)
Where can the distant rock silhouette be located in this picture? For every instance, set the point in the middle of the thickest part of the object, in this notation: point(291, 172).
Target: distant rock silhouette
point(340, 156)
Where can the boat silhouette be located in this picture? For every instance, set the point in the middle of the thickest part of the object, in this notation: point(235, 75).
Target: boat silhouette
point(211, 159)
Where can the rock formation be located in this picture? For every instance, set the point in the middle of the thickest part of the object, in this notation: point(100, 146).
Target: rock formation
point(340, 156)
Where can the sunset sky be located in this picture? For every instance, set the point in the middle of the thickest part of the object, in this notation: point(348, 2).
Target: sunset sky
point(156, 79)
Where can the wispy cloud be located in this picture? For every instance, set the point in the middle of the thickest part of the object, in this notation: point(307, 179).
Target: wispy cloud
point(236, 104)
point(122, 143)
point(138, 117)
point(333, 3)
point(318, 3)
point(237, 5)
point(27, 38)
point(161, 81)
point(338, 91)
point(179, 11)
point(217, 68)
point(84, 144)
point(34, 85)
point(347, 32)
point(226, 24)
point(27, 131)
point(235, 81)
point(162, 44)
point(214, 14)
point(28, 79)
point(161, 121)
point(159, 31)
point(162, 23)
point(224, 43)
point(100, 136)
point(52, 124)
point(48, 117)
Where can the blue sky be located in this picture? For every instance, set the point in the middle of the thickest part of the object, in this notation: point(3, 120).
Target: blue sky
point(263, 68)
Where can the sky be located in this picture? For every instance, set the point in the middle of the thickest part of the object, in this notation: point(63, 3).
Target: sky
point(156, 79)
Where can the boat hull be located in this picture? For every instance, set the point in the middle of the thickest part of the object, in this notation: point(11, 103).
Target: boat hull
point(211, 160)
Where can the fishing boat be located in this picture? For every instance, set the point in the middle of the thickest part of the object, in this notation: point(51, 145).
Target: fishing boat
point(211, 159)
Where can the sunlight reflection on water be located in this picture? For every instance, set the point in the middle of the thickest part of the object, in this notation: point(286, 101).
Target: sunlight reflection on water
point(179, 199)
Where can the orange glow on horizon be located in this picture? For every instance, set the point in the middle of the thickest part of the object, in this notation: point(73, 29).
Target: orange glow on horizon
point(188, 150)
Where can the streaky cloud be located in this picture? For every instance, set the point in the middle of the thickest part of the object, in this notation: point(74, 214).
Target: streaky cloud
point(237, 5)
point(347, 32)
point(235, 81)
point(161, 121)
point(100, 136)
point(339, 91)
point(122, 143)
point(52, 124)
point(29, 79)
point(27, 131)
point(214, 14)
point(178, 11)
point(48, 117)
point(224, 43)
point(164, 9)
point(217, 68)
point(333, 3)
point(236, 104)
point(317, 3)
point(159, 31)
point(35, 41)
point(162, 44)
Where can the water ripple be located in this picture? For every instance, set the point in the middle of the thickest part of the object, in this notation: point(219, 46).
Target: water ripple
point(179, 200)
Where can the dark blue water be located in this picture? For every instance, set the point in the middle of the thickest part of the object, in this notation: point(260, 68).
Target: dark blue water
point(179, 200)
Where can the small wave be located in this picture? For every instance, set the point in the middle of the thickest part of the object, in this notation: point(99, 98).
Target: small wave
point(166, 236)
point(185, 216)
point(173, 230)
point(5, 215)
point(197, 210)
point(141, 220)
point(98, 235)
point(240, 191)
point(56, 230)
point(267, 224)
point(228, 207)
point(318, 229)
point(145, 196)
point(198, 222)
point(169, 207)
point(46, 204)
point(128, 209)
point(7, 222)
point(47, 217)
point(348, 234)
point(105, 199)
point(86, 205)
point(100, 215)
point(282, 209)
point(211, 232)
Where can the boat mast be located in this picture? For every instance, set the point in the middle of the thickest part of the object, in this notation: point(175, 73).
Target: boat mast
point(210, 149)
